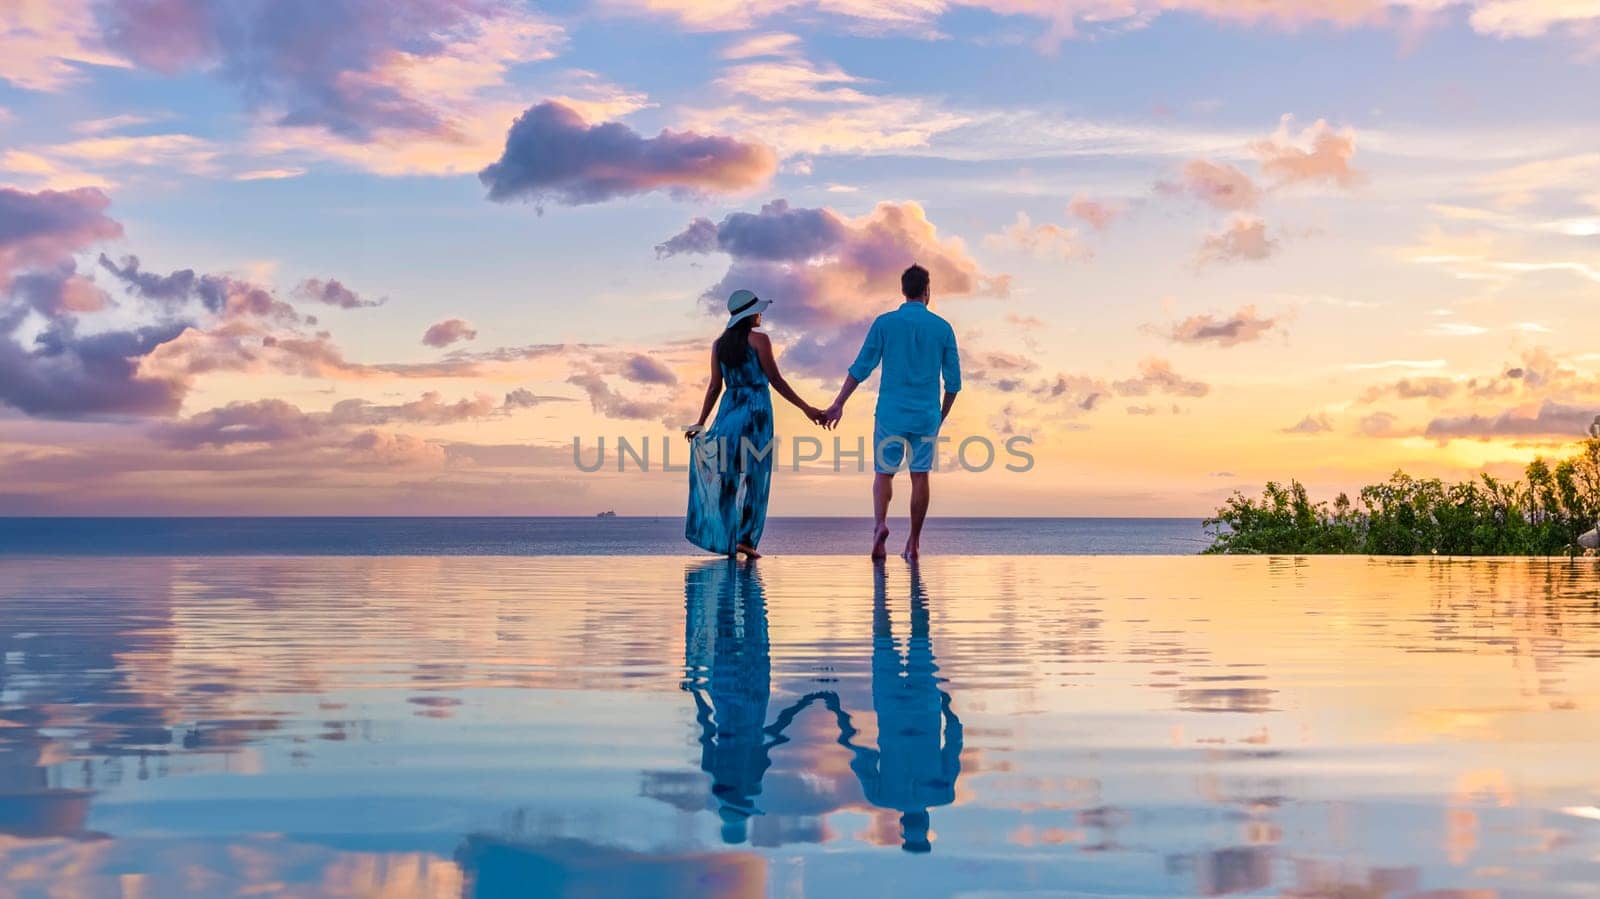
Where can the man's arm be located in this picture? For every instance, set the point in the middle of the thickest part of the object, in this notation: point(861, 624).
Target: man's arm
point(833, 413)
point(950, 368)
point(866, 360)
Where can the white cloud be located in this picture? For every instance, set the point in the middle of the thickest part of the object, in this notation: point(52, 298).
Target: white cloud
point(1457, 329)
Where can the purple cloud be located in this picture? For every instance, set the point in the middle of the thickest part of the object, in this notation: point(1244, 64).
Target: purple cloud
point(699, 237)
point(176, 287)
point(45, 229)
point(778, 232)
point(642, 369)
point(220, 294)
point(66, 375)
point(451, 330)
point(523, 398)
point(1414, 388)
point(261, 421)
point(332, 293)
point(55, 293)
point(1311, 424)
point(606, 401)
point(552, 154)
point(1552, 419)
point(61, 373)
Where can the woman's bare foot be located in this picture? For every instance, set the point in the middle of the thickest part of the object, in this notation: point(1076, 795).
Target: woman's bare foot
point(748, 551)
point(880, 536)
point(910, 552)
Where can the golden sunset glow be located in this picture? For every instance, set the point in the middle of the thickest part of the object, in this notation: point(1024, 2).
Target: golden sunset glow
point(243, 271)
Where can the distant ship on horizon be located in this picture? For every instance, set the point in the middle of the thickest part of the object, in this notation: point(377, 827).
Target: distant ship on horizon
point(609, 513)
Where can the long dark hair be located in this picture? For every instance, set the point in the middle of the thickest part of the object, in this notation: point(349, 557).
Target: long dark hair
point(733, 347)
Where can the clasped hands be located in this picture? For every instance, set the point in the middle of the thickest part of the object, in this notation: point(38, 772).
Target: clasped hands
point(828, 418)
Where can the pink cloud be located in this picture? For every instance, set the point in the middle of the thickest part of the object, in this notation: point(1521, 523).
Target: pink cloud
point(1157, 376)
point(1068, 19)
point(1096, 213)
point(352, 67)
point(272, 421)
point(46, 43)
point(1044, 239)
point(1072, 395)
point(1243, 238)
point(1242, 326)
point(1327, 159)
point(1217, 184)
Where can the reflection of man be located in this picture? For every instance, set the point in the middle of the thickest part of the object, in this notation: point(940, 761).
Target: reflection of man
point(731, 651)
point(918, 758)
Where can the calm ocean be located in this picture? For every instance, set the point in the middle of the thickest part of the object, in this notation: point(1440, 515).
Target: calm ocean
point(575, 536)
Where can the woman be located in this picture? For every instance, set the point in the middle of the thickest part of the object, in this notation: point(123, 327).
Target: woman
point(730, 468)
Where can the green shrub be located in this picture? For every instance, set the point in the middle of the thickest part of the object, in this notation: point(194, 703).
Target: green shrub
point(1543, 514)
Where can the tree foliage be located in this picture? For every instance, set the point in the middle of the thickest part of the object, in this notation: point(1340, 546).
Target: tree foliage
point(1541, 514)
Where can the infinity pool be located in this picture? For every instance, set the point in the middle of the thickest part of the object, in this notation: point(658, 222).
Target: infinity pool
point(803, 726)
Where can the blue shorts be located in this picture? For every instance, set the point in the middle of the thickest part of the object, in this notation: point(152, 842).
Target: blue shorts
point(889, 450)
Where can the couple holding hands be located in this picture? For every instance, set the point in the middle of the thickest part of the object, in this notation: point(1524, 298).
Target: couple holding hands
point(916, 349)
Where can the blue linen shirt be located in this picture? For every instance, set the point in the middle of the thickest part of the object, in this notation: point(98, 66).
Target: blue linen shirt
point(916, 347)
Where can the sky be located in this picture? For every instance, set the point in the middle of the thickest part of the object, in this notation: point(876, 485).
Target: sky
point(398, 256)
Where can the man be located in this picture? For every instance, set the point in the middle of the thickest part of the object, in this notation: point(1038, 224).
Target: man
point(916, 347)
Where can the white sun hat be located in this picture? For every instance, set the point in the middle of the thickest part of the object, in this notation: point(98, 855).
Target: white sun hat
point(743, 304)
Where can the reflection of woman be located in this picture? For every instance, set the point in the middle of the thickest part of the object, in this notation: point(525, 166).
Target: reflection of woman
point(729, 675)
point(726, 611)
point(918, 758)
point(730, 469)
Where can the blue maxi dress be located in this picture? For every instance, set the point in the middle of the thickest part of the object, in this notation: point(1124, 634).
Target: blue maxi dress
point(730, 467)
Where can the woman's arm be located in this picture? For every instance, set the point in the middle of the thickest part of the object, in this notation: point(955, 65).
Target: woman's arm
point(713, 390)
point(762, 344)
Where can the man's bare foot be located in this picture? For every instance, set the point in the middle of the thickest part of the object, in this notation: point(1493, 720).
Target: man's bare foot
point(748, 551)
point(910, 552)
point(880, 536)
